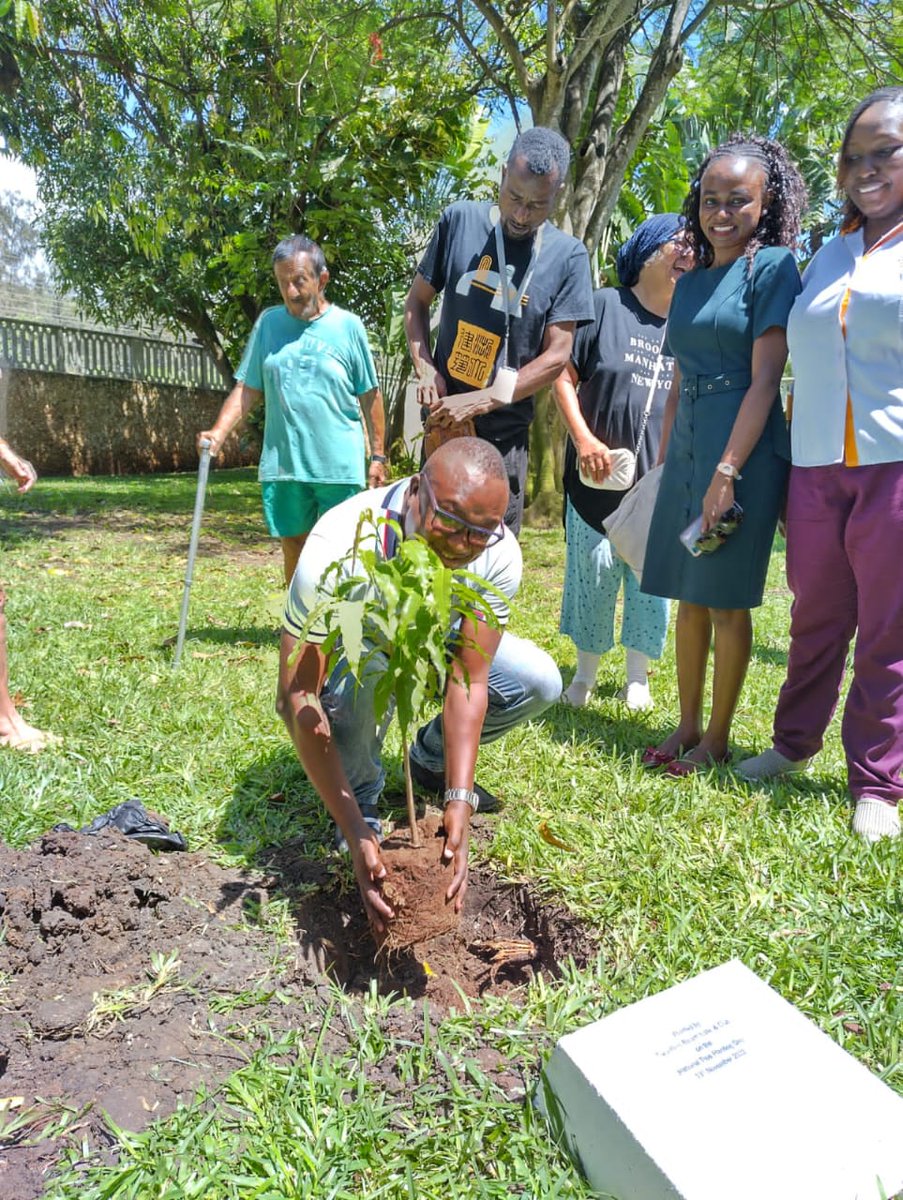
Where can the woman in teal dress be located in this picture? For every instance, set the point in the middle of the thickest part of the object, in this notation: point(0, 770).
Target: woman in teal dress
point(725, 435)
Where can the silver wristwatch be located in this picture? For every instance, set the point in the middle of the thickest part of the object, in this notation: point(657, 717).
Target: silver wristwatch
point(728, 469)
point(464, 794)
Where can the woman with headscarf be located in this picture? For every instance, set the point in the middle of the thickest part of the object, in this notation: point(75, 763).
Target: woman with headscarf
point(616, 360)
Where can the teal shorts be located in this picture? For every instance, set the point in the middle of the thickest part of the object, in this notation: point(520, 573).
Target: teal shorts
point(292, 508)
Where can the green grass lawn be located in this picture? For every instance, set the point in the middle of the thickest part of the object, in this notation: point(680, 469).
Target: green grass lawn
point(674, 876)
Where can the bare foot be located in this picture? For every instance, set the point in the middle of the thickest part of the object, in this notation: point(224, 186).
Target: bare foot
point(678, 743)
point(706, 753)
point(15, 734)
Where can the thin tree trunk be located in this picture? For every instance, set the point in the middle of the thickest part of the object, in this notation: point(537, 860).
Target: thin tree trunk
point(416, 841)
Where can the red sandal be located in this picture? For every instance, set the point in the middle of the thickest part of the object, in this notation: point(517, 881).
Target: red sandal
point(654, 758)
point(680, 768)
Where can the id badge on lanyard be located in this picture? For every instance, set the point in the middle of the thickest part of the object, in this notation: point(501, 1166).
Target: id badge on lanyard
point(503, 281)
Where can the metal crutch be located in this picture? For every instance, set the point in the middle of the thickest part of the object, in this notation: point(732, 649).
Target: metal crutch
point(203, 472)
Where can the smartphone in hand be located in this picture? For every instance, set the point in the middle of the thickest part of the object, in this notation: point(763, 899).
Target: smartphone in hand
point(699, 543)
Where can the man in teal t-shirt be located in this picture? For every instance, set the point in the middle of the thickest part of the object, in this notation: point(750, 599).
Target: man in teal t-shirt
point(310, 362)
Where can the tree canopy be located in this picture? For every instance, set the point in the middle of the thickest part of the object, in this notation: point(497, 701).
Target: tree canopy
point(797, 81)
point(601, 74)
point(175, 141)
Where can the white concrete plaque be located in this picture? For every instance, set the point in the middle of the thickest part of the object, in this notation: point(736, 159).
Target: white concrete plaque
point(719, 1089)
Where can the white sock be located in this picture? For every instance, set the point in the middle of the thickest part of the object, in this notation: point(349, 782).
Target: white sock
point(581, 685)
point(875, 819)
point(587, 666)
point(637, 668)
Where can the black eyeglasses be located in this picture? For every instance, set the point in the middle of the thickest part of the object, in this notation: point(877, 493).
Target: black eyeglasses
point(449, 523)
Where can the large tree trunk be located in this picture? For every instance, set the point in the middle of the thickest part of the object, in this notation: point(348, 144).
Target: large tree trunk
point(578, 94)
point(580, 88)
point(547, 442)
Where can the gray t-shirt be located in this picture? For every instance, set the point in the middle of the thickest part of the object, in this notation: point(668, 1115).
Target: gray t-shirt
point(461, 261)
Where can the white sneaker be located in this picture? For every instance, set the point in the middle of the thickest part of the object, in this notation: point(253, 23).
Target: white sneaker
point(770, 764)
point(577, 694)
point(875, 819)
point(636, 696)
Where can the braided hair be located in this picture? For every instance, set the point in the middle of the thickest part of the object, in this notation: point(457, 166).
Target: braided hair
point(851, 217)
point(785, 196)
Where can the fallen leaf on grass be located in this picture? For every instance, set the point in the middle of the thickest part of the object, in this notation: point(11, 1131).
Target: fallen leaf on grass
point(57, 571)
point(853, 1027)
point(548, 836)
point(75, 625)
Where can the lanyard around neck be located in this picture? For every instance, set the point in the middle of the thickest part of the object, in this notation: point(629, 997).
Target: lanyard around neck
point(881, 241)
point(503, 278)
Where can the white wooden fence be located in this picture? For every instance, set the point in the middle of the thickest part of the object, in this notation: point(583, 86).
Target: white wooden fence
point(69, 350)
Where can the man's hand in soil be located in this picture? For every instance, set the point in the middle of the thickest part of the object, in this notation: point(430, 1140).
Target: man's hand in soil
point(457, 836)
point(302, 670)
point(369, 871)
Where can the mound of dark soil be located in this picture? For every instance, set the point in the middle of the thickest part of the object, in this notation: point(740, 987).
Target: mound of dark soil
point(121, 973)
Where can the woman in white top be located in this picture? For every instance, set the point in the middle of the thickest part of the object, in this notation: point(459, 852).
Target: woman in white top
point(845, 507)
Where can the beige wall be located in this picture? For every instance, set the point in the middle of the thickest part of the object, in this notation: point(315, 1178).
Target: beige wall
point(78, 425)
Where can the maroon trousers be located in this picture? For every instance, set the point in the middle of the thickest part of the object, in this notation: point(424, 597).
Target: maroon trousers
point(845, 569)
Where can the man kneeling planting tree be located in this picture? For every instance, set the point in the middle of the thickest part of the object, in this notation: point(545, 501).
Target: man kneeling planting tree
point(494, 679)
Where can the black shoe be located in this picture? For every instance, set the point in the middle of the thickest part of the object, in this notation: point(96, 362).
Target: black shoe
point(433, 784)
